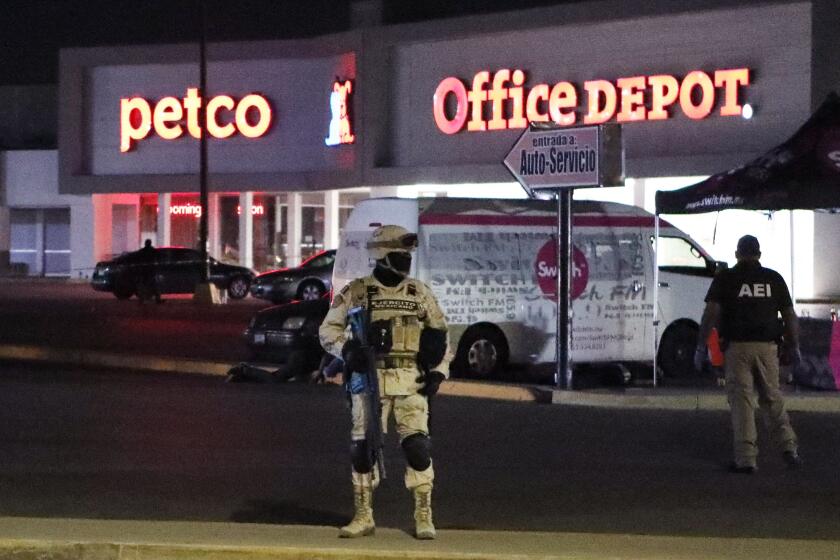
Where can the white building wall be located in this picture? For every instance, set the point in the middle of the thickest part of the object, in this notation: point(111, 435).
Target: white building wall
point(826, 254)
point(30, 179)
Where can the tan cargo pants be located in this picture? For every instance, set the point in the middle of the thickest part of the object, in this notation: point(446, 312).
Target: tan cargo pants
point(411, 414)
point(749, 366)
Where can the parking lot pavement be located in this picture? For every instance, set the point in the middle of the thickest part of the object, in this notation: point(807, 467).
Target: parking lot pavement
point(53, 321)
point(666, 398)
point(70, 539)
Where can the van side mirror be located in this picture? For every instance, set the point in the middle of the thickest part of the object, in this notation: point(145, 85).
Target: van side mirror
point(721, 265)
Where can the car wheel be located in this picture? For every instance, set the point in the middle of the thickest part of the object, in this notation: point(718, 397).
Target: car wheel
point(676, 351)
point(123, 289)
point(310, 290)
point(482, 353)
point(238, 287)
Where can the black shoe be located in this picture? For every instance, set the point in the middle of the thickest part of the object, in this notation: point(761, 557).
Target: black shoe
point(749, 469)
point(792, 459)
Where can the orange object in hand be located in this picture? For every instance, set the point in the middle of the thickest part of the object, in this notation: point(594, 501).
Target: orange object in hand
point(715, 353)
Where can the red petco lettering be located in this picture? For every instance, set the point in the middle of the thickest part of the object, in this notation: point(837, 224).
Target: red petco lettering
point(137, 117)
point(510, 104)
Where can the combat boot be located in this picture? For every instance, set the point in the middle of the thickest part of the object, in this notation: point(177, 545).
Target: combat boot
point(424, 528)
point(362, 523)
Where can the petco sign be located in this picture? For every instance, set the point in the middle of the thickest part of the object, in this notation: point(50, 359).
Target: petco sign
point(504, 97)
point(224, 117)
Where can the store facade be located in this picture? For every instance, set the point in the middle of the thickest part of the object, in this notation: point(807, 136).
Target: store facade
point(298, 131)
point(281, 149)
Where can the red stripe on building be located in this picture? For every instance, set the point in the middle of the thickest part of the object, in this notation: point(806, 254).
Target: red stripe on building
point(537, 221)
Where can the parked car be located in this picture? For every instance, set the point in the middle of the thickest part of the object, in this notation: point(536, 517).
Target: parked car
point(309, 281)
point(174, 270)
point(288, 334)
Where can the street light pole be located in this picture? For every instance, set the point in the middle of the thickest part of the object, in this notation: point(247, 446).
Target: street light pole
point(202, 174)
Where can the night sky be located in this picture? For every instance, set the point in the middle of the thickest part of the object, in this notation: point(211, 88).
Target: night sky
point(32, 31)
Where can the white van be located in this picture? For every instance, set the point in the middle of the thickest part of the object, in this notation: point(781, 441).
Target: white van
point(492, 266)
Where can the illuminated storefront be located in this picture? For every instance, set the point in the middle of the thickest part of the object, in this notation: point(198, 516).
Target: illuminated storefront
point(299, 130)
point(280, 146)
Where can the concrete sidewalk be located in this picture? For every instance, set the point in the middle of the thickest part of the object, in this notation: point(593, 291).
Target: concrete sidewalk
point(83, 539)
point(665, 398)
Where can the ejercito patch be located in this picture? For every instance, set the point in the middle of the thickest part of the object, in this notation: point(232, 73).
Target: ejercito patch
point(394, 305)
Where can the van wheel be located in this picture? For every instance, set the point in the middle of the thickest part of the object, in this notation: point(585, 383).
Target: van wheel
point(482, 353)
point(676, 351)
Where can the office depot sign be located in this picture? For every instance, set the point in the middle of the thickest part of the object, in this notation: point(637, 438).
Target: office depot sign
point(224, 117)
point(504, 97)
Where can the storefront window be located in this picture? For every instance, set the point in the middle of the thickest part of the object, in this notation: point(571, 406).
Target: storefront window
point(229, 229)
point(148, 218)
point(281, 246)
point(312, 231)
point(184, 219)
point(265, 254)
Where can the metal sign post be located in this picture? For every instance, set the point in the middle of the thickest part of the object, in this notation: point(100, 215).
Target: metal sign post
point(563, 375)
point(548, 158)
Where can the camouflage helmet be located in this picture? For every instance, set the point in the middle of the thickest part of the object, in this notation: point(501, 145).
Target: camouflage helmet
point(390, 238)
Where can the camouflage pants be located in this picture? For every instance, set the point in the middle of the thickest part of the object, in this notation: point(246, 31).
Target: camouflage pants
point(411, 415)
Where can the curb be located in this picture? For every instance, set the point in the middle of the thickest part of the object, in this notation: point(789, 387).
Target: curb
point(648, 399)
point(89, 539)
point(40, 354)
point(690, 401)
point(651, 399)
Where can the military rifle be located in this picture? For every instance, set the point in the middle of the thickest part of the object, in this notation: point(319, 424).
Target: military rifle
point(359, 320)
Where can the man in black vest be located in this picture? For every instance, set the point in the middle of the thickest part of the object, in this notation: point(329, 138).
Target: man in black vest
point(745, 303)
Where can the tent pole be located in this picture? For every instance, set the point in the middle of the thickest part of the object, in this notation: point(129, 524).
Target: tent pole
point(655, 293)
point(792, 262)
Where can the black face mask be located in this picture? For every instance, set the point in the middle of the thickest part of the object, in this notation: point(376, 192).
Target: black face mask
point(397, 262)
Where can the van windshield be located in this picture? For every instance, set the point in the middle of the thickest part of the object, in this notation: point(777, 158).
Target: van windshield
point(677, 254)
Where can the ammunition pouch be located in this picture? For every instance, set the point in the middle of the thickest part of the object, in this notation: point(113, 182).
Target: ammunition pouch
point(381, 336)
point(399, 334)
point(395, 362)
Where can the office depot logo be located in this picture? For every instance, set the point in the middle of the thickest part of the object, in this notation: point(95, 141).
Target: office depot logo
point(509, 104)
point(250, 117)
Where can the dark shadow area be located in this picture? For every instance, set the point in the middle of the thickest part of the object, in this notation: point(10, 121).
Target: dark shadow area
point(286, 513)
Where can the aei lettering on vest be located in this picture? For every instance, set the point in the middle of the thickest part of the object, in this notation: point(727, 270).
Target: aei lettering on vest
point(755, 291)
point(250, 116)
point(509, 104)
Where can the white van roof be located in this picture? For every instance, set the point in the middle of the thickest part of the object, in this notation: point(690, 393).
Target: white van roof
point(411, 212)
point(452, 205)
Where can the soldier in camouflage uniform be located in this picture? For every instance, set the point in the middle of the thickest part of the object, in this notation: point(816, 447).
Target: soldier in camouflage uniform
point(406, 307)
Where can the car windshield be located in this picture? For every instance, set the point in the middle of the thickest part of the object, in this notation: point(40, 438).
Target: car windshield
point(322, 259)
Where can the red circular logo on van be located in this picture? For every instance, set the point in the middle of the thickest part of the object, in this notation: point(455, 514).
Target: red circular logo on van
point(545, 267)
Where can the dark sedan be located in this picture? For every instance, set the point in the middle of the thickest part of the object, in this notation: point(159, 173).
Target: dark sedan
point(309, 281)
point(289, 334)
point(170, 270)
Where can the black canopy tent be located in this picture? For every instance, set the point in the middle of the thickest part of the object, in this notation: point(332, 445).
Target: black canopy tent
point(803, 173)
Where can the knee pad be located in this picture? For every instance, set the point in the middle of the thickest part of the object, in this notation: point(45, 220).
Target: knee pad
point(418, 451)
point(360, 456)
